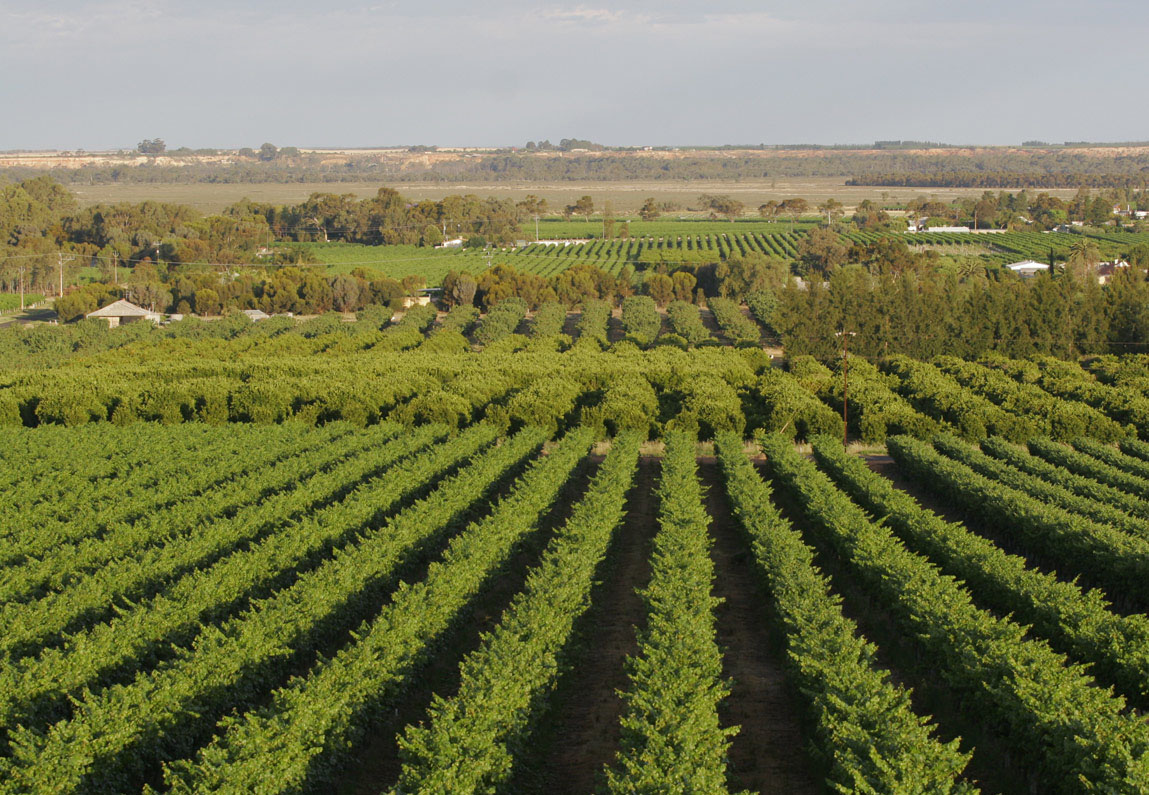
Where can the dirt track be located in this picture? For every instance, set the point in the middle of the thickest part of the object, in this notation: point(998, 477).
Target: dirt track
point(768, 754)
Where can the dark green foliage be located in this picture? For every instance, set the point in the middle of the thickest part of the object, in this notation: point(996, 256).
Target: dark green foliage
point(891, 748)
point(1021, 683)
point(501, 321)
point(640, 319)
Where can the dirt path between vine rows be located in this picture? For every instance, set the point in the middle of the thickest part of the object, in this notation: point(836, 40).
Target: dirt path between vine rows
point(769, 753)
point(581, 734)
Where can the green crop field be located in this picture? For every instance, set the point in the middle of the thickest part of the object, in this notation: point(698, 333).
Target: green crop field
point(335, 556)
point(689, 243)
point(686, 247)
point(10, 301)
point(552, 228)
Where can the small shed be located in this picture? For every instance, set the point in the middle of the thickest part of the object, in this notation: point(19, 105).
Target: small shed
point(256, 314)
point(119, 312)
point(1027, 269)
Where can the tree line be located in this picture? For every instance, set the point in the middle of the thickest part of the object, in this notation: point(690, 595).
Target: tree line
point(891, 166)
point(1136, 178)
point(925, 313)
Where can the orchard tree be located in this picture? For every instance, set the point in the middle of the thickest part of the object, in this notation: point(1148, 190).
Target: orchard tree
point(649, 210)
point(660, 287)
point(459, 288)
point(684, 284)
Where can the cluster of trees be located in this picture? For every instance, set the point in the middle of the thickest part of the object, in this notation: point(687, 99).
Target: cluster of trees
point(573, 287)
point(565, 145)
point(923, 313)
point(793, 209)
point(735, 277)
point(152, 146)
point(721, 205)
point(46, 236)
point(269, 152)
point(288, 289)
point(1021, 211)
point(1001, 179)
point(388, 218)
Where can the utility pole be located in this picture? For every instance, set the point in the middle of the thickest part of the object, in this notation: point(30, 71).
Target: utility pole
point(21, 288)
point(536, 227)
point(845, 335)
point(115, 267)
point(60, 261)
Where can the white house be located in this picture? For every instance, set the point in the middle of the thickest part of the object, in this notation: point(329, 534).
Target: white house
point(1028, 268)
point(456, 242)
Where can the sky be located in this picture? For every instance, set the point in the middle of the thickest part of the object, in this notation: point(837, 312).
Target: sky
point(104, 74)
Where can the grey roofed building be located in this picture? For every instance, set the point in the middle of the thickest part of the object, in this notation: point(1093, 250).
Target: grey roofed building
point(123, 311)
point(256, 314)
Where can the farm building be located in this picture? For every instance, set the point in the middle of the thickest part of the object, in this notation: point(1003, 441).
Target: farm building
point(1027, 268)
point(1106, 270)
point(119, 312)
point(256, 314)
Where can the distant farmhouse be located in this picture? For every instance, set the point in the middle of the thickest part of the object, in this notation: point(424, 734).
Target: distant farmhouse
point(119, 312)
point(1028, 268)
point(1106, 270)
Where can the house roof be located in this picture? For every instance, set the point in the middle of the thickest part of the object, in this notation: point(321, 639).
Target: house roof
point(121, 308)
point(256, 314)
point(1026, 265)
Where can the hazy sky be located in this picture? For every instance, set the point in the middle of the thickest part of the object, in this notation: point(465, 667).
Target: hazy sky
point(106, 73)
